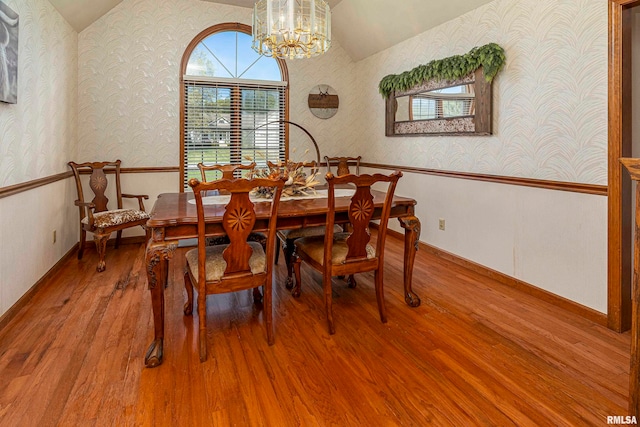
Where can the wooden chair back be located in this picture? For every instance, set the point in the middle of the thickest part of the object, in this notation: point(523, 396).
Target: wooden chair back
point(343, 164)
point(98, 183)
point(238, 221)
point(227, 171)
point(313, 165)
point(361, 210)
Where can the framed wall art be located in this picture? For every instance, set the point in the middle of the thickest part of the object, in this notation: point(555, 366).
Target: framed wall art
point(8, 55)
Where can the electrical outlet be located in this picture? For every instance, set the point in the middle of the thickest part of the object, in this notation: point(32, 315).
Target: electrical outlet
point(441, 224)
point(54, 236)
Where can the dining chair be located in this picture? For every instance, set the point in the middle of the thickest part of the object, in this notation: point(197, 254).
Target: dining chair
point(226, 171)
point(238, 265)
point(287, 237)
point(342, 164)
point(347, 253)
point(96, 217)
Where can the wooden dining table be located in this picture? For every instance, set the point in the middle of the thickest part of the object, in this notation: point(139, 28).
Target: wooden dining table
point(174, 218)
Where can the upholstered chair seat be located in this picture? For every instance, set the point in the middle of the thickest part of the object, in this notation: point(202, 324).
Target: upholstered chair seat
point(116, 217)
point(286, 239)
point(314, 248)
point(216, 264)
point(297, 233)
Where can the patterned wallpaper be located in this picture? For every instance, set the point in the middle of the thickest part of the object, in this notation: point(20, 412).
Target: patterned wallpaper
point(550, 101)
point(38, 134)
point(129, 63)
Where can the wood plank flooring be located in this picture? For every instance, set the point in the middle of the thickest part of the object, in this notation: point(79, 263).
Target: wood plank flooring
point(474, 353)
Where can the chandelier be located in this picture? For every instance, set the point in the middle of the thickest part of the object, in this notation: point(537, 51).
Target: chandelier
point(291, 28)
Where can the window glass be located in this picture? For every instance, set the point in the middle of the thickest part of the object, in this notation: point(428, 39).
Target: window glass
point(234, 102)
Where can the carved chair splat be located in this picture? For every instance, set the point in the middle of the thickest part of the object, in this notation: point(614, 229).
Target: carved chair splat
point(228, 171)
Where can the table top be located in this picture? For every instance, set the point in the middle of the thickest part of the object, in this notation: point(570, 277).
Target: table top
point(172, 209)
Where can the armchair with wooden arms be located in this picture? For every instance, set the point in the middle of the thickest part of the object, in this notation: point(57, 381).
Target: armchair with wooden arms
point(235, 266)
point(342, 164)
point(95, 216)
point(341, 254)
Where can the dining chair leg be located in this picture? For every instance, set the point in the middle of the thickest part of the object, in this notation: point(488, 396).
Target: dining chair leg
point(380, 296)
point(351, 281)
point(202, 320)
point(288, 249)
point(188, 306)
point(257, 295)
point(118, 239)
point(101, 247)
point(268, 312)
point(277, 256)
point(83, 241)
point(295, 291)
point(326, 285)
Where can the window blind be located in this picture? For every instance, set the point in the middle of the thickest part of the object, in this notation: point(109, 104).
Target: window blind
point(232, 121)
point(424, 108)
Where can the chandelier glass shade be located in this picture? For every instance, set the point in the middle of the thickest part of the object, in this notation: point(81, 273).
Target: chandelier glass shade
point(291, 28)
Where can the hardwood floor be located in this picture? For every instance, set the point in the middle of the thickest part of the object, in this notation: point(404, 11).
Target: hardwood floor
point(474, 353)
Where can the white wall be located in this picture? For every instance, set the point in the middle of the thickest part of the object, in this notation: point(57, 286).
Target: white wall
point(550, 122)
point(37, 138)
point(27, 222)
point(129, 72)
point(554, 240)
point(550, 100)
point(128, 81)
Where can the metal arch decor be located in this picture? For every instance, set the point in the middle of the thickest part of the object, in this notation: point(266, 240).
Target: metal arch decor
point(313, 140)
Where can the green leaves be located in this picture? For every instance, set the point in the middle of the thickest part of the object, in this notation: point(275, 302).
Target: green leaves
point(490, 56)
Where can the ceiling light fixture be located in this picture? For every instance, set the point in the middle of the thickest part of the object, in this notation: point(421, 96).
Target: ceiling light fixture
point(291, 28)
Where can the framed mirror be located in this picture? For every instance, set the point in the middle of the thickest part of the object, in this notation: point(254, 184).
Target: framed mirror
point(442, 107)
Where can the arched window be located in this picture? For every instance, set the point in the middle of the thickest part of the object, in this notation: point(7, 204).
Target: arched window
point(233, 101)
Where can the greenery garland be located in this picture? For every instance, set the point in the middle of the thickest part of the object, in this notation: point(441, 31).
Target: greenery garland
point(490, 56)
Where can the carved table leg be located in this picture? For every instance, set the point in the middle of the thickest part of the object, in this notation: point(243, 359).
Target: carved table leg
point(157, 256)
point(411, 225)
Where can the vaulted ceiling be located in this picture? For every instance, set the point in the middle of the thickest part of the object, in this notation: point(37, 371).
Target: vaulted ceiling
point(362, 27)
